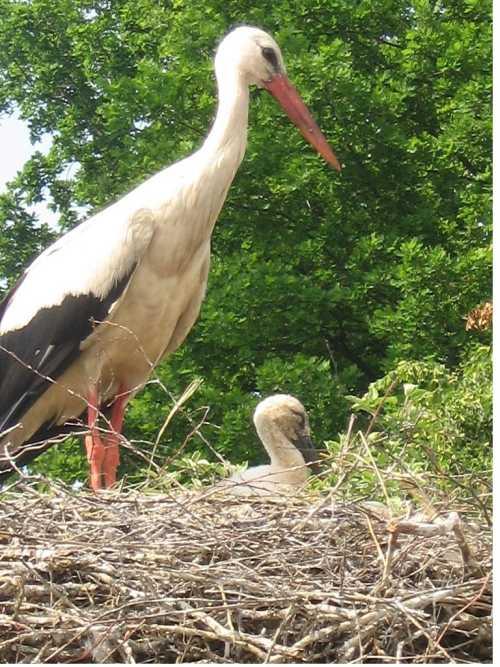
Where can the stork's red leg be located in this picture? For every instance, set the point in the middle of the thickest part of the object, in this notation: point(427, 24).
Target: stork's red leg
point(112, 446)
point(93, 442)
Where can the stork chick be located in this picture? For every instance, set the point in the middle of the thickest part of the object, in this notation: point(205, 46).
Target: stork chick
point(282, 425)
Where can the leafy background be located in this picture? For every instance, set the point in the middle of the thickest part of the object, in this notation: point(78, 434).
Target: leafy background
point(322, 285)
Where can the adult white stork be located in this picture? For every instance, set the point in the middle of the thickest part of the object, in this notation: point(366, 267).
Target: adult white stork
point(90, 318)
point(282, 425)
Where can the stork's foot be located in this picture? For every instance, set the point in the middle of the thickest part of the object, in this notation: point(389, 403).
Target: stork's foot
point(103, 452)
point(111, 459)
point(103, 455)
point(112, 440)
point(96, 452)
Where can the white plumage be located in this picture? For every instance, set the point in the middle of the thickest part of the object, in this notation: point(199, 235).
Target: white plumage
point(94, 313)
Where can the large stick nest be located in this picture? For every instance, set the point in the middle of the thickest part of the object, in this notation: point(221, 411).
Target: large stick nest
point(131, 577)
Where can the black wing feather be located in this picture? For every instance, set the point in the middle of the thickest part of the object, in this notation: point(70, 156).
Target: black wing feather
point(44, 438)
point(47, 435)
point(32, 356)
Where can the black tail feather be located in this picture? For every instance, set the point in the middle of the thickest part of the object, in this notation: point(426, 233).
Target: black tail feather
point(45, 437)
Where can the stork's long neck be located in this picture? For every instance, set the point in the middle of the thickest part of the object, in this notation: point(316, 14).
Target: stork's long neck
point(227, 139)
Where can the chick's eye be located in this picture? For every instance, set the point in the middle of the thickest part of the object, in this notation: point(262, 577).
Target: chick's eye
point(270, 55)
point(300, 416)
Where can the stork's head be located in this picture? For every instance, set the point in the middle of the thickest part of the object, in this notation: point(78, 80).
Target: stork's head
point(286, 414)
point(257, 58)
point(253, 53)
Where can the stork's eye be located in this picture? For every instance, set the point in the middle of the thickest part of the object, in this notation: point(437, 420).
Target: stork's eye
point(270, 55)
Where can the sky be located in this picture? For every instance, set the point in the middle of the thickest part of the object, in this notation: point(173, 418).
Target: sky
point(15, 149)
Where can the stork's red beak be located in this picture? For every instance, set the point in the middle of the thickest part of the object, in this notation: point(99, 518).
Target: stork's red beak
point(285, 92)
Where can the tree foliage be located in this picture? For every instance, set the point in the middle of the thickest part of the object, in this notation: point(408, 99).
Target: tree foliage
point(320, 283)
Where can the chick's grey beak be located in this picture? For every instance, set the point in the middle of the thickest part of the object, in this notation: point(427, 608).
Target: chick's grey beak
point(306, 447)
